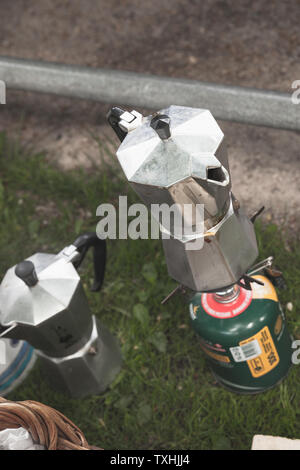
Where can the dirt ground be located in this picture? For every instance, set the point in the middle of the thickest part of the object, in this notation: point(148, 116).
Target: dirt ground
point(247, 43)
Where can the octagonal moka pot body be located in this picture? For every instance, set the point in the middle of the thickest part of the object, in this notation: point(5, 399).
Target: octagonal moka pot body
point(178, 157)
point(42, 301)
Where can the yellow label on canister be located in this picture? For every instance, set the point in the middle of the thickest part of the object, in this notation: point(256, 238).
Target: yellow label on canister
point(268, 357)
point(278, 325)
point(217, 357)
point(267, 291)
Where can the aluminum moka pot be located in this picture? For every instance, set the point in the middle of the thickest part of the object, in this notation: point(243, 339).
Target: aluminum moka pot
point(42, 301)
point(177, 156)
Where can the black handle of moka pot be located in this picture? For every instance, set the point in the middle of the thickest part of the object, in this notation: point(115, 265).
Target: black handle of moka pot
point(114, 117)
point(83, 243)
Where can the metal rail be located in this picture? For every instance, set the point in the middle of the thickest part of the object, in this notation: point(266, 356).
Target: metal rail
point(232, 103)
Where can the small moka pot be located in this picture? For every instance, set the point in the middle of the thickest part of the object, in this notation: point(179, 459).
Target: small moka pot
point(43, 302)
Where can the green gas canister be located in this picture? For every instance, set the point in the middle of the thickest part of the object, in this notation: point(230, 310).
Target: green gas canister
point(244, 335)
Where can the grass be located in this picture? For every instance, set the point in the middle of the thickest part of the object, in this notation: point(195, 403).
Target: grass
point(165, 396)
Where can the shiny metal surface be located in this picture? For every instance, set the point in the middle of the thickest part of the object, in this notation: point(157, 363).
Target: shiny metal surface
point(227, 295)
point(78, 354)
point(191, 167)
point(48, 315)
point(222, 260)
point(90, 369)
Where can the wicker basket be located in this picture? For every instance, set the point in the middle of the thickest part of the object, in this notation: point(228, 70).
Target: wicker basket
point(47, 426)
